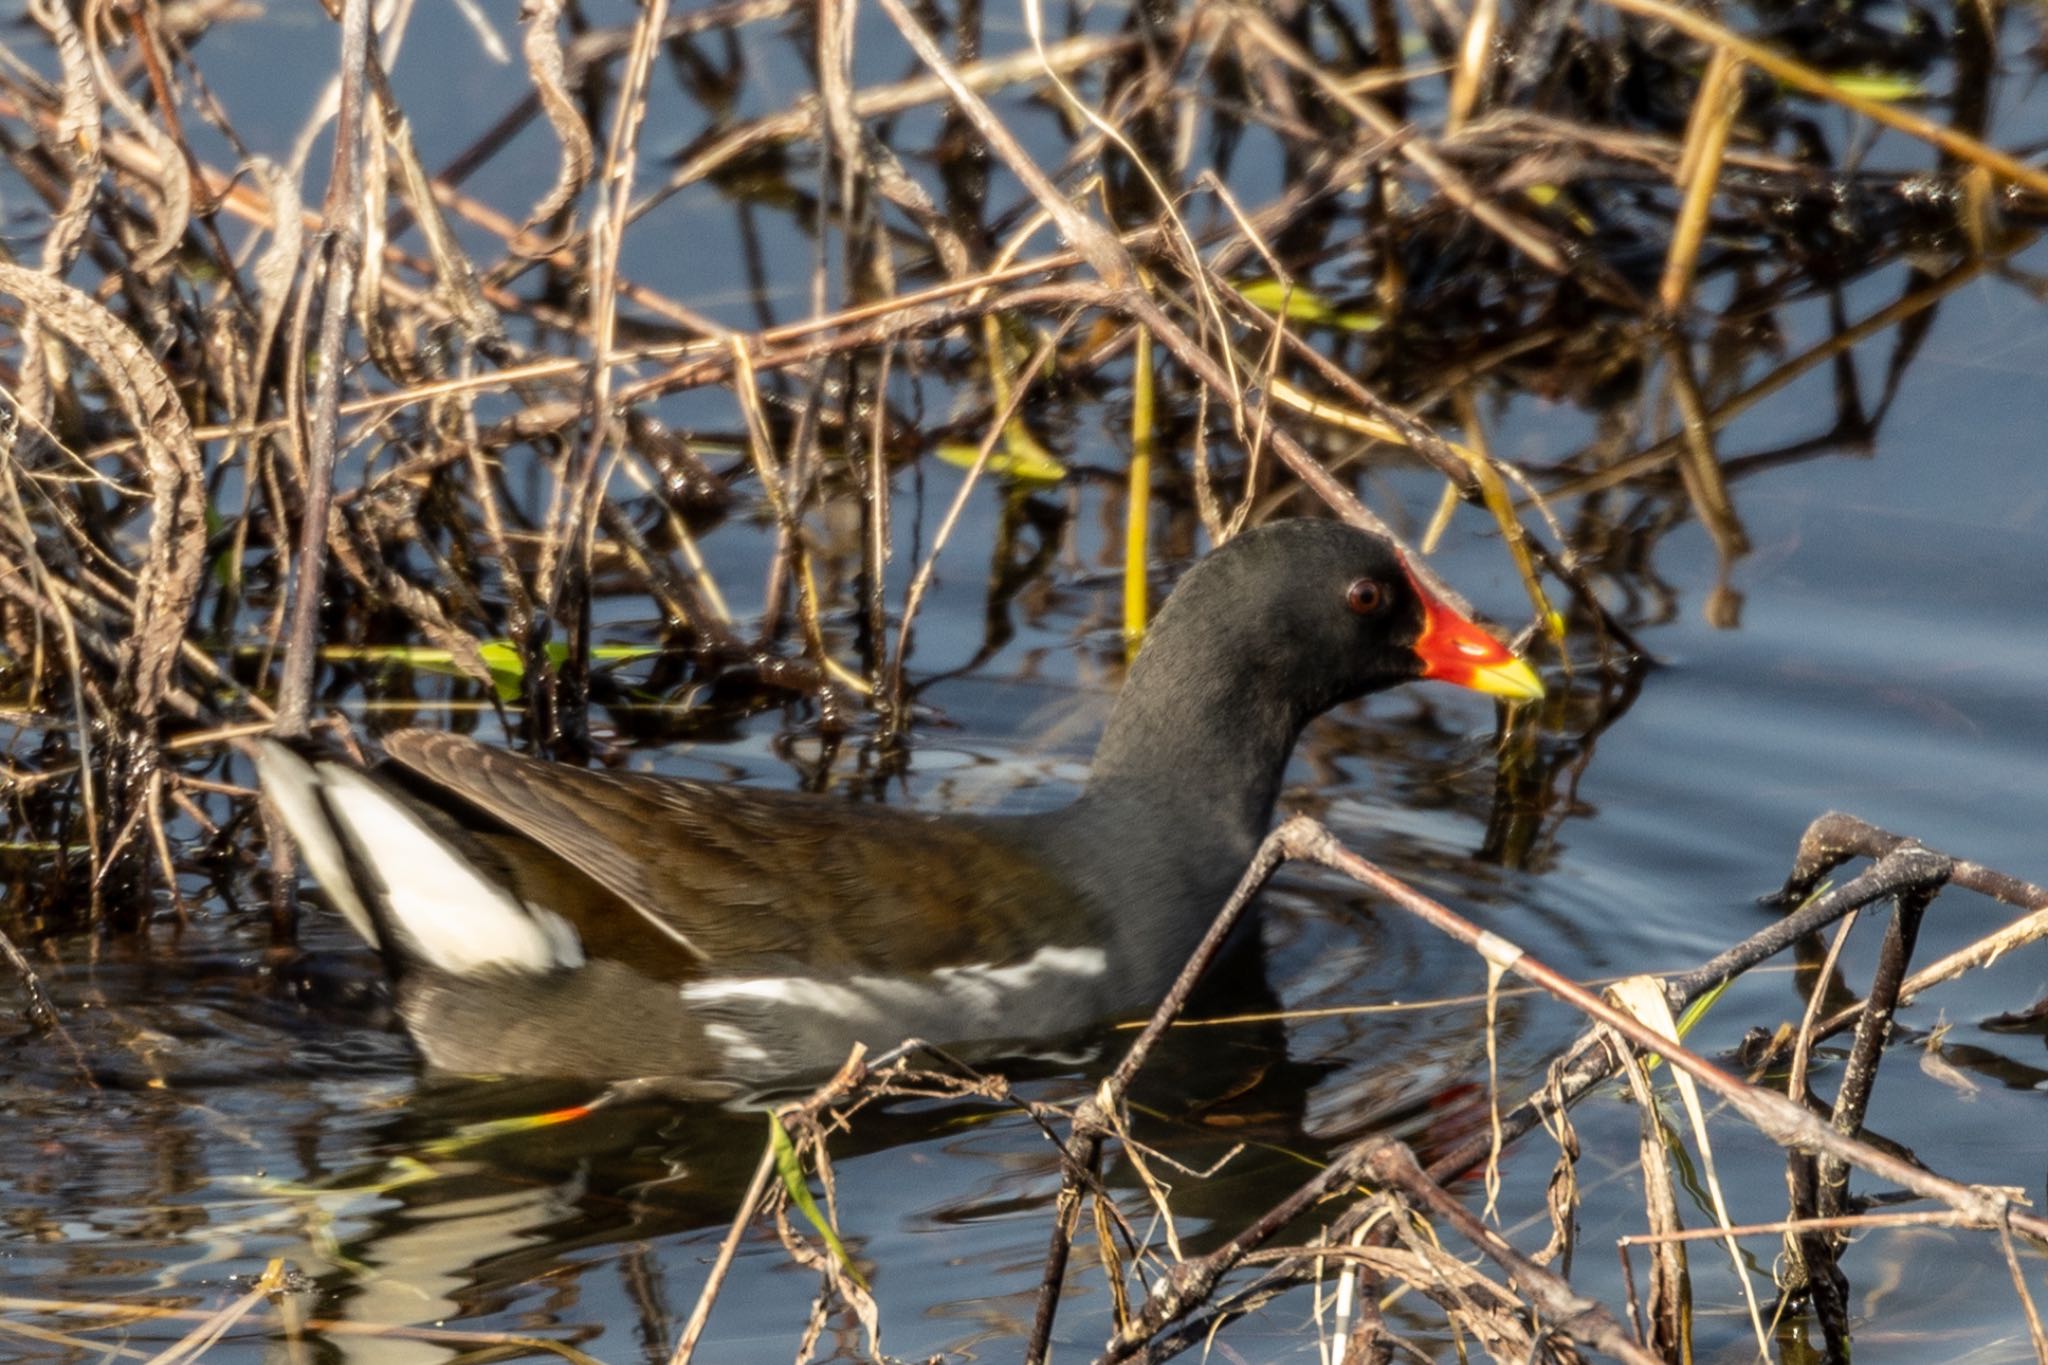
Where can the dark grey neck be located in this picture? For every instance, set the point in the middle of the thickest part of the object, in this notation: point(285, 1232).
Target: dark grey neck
point(1196, 741)
point(1181, 793)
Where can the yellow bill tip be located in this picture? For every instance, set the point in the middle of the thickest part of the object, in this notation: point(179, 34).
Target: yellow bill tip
point(1512, 681)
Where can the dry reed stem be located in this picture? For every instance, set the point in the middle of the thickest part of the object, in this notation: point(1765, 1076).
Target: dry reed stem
point(1803, 77)
point(542, 48)
point(920, 582)
point(1643, 997)
point(1076, 228)
point(1532, 242)
point(1699, 172)
point(1474, 66)
point(1776, 1117)
point(1802, 1046)
point(700, 1314)
point(1835, 838)
point(1620, 472)
point(344, 227)
point(450, 1336)
point(1846, 1223)
point(206, 1333)
point(1668, 1304)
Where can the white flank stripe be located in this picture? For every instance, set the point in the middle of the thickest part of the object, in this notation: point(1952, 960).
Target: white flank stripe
point(803, 992)
point(985, 978)
point(738, 1048)
point(976, 999)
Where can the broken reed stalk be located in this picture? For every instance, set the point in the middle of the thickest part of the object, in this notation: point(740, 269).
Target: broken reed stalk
point(714, 1280)
point(1590, 1060)
point(343, 236)
point(1093, 1121)
point(1903, 869)
point(1778, 1118)
point(1571, 1315)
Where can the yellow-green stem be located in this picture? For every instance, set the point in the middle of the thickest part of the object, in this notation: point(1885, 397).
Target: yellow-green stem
point(1138, 504)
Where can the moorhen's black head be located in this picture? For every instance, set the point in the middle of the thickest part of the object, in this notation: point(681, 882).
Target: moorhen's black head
point(1271, 630)
point(1318, 613)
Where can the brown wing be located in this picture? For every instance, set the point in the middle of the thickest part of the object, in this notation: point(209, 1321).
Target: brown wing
point(741, 876)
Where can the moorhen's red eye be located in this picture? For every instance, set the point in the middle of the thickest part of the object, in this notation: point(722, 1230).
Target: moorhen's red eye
point(1366, 596)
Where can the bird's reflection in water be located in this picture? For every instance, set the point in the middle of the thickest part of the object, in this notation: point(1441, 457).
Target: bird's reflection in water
point(482, 1210)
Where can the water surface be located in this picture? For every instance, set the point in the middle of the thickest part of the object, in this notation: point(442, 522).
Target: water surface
point(1887, 658)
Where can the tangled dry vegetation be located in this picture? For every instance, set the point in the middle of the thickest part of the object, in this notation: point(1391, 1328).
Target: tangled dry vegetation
point(265, 415)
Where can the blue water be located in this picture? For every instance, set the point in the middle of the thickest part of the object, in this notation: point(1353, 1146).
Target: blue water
point(1889, 661)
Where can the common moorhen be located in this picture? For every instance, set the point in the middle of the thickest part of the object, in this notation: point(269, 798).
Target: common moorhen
point(540, 919)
